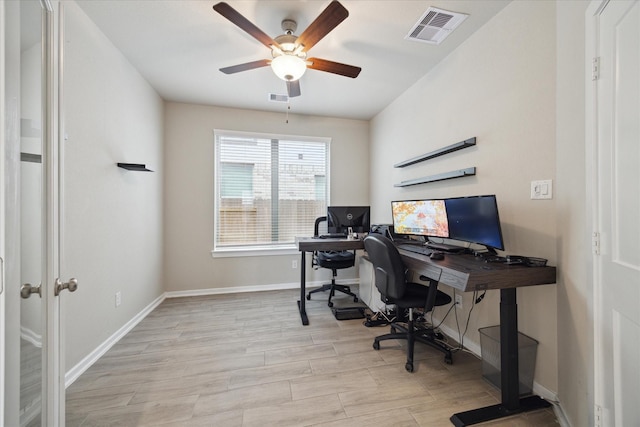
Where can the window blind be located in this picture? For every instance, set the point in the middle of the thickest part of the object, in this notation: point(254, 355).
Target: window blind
point(268, 189)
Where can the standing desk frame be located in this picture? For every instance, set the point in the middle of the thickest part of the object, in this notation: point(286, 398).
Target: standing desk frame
point(316, 244)
point(466, 273)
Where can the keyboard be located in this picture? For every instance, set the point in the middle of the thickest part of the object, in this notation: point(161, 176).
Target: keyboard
point(417, 249)
point(333, 236)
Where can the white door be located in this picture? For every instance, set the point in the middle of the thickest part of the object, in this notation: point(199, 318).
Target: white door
point(30, 213)
point(617, 298)
point(34, 390)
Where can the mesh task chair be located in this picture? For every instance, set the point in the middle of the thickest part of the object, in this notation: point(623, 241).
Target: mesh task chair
point(333, 260)
point(390, 279)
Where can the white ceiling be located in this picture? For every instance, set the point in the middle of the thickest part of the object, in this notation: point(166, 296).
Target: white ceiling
point(179, 45)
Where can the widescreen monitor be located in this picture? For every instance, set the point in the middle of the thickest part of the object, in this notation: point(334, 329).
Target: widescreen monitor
point(475, 220)
point(420, 218)
point(341, 218)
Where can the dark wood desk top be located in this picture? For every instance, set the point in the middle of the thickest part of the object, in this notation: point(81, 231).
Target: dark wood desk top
point(310, 244)
point(469, 273)
point(464, 272)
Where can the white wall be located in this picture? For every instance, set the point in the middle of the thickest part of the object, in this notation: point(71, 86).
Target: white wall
point(112, 229)
point(188, 191)
point(575, 298)
point(499, 86)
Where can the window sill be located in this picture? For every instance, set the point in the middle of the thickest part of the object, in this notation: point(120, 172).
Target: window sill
point(258, 251)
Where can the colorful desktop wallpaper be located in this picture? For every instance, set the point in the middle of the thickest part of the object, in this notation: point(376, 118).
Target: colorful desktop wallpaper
point(422, 217)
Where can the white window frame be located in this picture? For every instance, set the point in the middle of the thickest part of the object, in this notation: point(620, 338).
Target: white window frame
point(257, 250)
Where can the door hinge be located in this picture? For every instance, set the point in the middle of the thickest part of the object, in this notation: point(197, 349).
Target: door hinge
point(595, 242)
point(595, 68)
point(597, 416)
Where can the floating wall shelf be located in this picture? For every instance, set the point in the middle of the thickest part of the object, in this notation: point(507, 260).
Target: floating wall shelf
point(437, 153)
point(439, 177)
point(134, 167)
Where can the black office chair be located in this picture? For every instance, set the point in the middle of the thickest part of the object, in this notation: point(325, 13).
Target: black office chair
point(390, 279)
point(333, 260)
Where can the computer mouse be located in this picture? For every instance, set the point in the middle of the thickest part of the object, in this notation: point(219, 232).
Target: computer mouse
point(436, 255)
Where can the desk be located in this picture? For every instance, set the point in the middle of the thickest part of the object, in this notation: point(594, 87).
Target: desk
point(468, 273)
point(311, 244)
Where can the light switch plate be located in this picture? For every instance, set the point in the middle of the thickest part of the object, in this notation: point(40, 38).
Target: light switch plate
point(542, 189)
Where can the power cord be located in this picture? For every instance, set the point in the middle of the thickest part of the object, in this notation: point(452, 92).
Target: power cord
point(476, 300)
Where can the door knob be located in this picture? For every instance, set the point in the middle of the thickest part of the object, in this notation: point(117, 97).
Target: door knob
point(27, 289)
point(72, 285)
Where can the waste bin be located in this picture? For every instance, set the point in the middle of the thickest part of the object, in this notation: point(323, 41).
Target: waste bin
point(490, 352)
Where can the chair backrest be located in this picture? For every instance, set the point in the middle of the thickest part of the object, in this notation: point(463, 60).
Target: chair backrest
point(331, 259)
point(390, 271)
point(316, 225)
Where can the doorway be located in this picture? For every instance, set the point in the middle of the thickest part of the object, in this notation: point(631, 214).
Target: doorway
point(615, 152)
point(31, 345)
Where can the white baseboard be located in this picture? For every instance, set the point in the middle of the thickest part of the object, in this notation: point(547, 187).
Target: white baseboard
point(233, 290)
point(31, 336)
point(254, 288)
point(562, 418)
point(32, 412)
point(75, 372)
point(472, 346)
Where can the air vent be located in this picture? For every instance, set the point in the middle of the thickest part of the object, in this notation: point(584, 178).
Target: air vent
point(435, 25)
point(274, 97)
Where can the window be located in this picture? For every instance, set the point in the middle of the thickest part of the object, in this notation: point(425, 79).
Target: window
point(268, 189)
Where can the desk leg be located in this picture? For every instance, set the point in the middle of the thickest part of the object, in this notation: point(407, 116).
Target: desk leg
point(511, 404)
point(303, 278)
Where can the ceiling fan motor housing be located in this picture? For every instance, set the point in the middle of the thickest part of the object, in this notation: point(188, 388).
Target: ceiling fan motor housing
point(289, 26)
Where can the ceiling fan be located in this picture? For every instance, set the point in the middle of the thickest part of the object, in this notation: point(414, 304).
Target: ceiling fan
point(289, 52)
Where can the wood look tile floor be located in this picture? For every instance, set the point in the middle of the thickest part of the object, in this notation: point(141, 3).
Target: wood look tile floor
point(244, 360)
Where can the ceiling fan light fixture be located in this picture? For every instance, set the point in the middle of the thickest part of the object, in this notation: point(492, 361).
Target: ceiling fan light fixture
point(288, 67)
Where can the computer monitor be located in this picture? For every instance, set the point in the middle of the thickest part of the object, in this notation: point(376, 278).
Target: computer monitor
point(340, 218)
point(475, 219)
point(420, 218)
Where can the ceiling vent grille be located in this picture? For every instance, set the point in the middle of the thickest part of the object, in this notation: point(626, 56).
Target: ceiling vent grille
point(435, 25)
point(274, 97)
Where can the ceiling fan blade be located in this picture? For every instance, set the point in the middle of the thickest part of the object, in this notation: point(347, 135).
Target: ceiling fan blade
point(293, 88)
point(333, 15)
point(333, 67)
point(234, 16)
point(246, 66)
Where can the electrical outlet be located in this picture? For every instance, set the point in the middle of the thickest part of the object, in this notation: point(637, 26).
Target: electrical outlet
point(459, 301)
point(294, 263)
point(118, 298)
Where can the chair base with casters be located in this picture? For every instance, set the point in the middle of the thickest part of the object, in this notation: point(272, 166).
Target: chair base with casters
point(348, 261)
point(412, 334)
